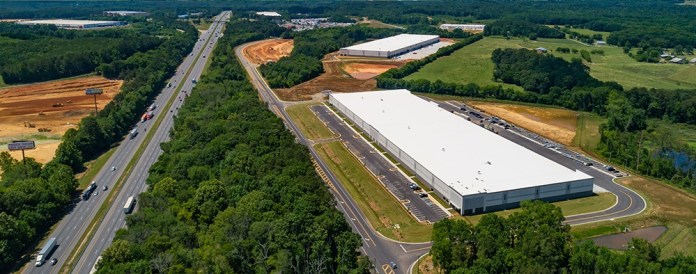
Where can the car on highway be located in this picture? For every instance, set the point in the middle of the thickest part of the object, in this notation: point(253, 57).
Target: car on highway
point(393, 265)
point(105, 188)
point(54, 261)
point(423, 194)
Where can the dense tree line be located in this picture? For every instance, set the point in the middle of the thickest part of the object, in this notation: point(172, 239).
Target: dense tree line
point(290, 71)
point(535, 240)
point(32, 197)
point(304, 62)
point(41, 53)
point(507, 27)
point(144, 74)
point(233, 192)
point(540, 72)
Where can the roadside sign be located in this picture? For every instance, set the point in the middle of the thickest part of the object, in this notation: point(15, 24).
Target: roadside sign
point(93, 91)
point(20, 145)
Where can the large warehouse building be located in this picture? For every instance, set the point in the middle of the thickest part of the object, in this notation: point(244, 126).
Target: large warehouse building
point(464, 27)
point(391, 46)
point(472, 168)
point(74, 24)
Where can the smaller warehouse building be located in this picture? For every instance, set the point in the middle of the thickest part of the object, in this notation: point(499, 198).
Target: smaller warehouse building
point(464, 27)
point(125, 13)
point(268, 13)
point(470, 167)
point(391, 46)
point(74, 24)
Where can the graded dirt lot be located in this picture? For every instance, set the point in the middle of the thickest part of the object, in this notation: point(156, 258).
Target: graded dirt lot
point(269, 50)
point(554, 123)
point(55, 106)
point(367, 70)
point(334, 79)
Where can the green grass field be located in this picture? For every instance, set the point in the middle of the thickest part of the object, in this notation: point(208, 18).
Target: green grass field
point(472, 64)
point(308, 123)
point(604, 34)
point(383, 211)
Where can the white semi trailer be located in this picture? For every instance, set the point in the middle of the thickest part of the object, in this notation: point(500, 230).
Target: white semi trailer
point(45, 251)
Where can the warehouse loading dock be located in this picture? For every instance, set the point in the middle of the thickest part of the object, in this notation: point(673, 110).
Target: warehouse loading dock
point(472, 168)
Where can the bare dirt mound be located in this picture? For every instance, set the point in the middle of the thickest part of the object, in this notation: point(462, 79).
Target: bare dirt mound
point(269, 50)
point(367, 70)
point(50, 108)
point(334, 78)
point(558, 125)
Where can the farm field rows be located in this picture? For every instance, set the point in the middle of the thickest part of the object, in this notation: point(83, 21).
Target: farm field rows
point(472, 64)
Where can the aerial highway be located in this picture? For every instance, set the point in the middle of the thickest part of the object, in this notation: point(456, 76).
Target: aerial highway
point(70, 230)
point(380, 249)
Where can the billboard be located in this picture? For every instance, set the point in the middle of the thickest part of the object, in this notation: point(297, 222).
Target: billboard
point(93, 91)
point(20, 145)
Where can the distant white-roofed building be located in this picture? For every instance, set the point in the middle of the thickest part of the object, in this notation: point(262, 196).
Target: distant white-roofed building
point(391, 46)
point(268, 13)
point(125, 13)
point(74, 24)
point(472, 168)
point(678, 60)
point(464, 27)
point(692, 61)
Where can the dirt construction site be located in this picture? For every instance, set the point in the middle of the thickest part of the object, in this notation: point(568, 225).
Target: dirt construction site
point(44, 111)
point(269, 50)
point(340, 75)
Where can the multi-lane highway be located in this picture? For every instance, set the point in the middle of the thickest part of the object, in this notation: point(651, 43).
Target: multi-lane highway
point(628, 202)
point(381, 250)
point(74, 225)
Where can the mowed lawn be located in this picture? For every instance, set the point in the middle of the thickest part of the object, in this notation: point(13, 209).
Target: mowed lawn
point(472, 64)
point(308, 122)
point(382, 210)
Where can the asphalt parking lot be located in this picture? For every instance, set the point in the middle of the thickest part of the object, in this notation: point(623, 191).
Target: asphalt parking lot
point(422, 208)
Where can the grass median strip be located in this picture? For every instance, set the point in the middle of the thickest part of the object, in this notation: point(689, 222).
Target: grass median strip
point(382, 210)
point(308, 122)
point(94, 168)
point(101, 213)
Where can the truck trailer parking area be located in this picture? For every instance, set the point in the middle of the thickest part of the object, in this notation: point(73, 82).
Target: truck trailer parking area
point(472, 168)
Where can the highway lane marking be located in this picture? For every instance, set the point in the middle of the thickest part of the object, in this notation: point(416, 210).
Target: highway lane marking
point(387, 269)
point(197, 64)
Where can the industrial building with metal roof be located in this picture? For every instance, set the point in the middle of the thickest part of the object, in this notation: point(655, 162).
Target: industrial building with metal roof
point(465, 27)
point(472, 168)
point(390, 46)
point(74, 24)
point(125, 13)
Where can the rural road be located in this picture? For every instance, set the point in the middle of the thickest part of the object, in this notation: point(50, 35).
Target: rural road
point(380, 249)
point(75, 224)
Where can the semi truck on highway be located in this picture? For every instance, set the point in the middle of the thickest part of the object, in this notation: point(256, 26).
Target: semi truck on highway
point(133, 133)
point(45, 251)
point(88, 190)
point(147, 116)
point(128, 208)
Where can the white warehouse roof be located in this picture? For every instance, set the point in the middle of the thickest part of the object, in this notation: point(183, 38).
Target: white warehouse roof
point(64, 22)
point(393, 43)
point(465, 156)
point(268, 13)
